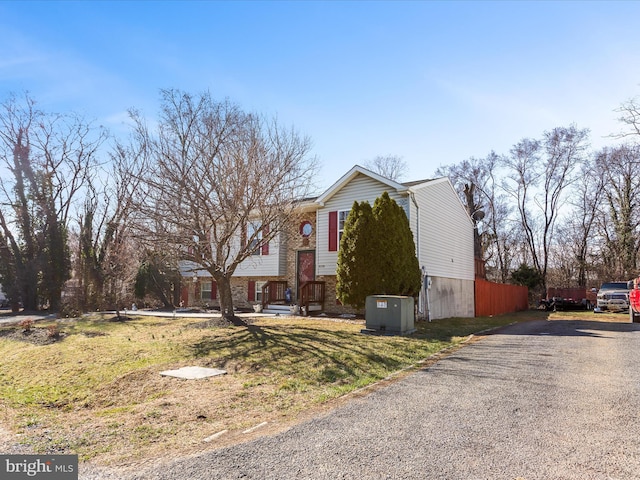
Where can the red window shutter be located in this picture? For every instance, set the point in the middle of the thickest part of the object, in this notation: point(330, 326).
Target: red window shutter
point(214, 290)
point(265, 245)
point(333, 231)
point(251, 296)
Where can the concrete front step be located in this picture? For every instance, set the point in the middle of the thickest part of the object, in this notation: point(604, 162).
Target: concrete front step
point(285, 309)
point(277, 309)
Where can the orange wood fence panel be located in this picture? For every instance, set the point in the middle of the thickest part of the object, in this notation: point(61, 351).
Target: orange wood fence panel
point(496, 298)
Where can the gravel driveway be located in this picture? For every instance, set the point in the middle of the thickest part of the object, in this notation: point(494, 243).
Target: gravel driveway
point(538, 400)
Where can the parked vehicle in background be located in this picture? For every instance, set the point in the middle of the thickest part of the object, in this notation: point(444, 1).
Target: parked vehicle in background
point(634, 300)
point(613, 296)
point(573, 298)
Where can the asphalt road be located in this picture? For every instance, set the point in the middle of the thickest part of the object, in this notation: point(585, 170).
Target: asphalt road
point(538, 400)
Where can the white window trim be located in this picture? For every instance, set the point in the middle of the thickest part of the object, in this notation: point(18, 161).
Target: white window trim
point(343, 220)
point(259, 285)
point(251, 229)
point(203, 283)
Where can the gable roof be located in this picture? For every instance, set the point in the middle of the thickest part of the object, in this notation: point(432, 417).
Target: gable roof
point(423, 183)
point(350, 175)
point(417, 182)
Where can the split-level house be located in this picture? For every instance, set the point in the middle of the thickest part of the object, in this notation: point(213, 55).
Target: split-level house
point(303, 258)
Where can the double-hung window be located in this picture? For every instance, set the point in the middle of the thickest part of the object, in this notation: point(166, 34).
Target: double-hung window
point(259, 286)
point(342, 219)
point(205, 290)
point(256, 242)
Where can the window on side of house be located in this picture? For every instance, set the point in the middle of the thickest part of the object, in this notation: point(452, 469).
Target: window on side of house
point(205, 290)
point(255, 245)
point(259, 286)
point(342, 219)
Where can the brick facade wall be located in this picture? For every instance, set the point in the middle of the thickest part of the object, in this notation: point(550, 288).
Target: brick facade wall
point(331, 304)
point(295, 243)
point(239, 293)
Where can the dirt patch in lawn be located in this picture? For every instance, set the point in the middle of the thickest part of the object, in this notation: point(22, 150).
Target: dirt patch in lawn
point(223, 322)
point(35, 336)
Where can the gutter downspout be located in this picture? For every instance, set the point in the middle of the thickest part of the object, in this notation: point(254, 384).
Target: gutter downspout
point(425, 287)
point(413, 199)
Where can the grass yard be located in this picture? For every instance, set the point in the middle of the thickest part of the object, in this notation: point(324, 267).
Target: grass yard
point(96, 389)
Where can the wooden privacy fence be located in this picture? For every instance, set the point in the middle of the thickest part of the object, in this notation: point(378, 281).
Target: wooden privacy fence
point(496, 298)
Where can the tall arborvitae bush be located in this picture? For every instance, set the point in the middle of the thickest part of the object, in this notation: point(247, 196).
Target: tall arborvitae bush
point(354, 269)
point(377, 253)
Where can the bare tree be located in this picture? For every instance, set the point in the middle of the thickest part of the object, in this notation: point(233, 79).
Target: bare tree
point(539, 172)
point(106, 252)
point(220, 183)
point(392, 167)
point(629, 117)
point(577, 233)
point(477, 183)
point(48, 160)
point(471, 178)
point(619, 225)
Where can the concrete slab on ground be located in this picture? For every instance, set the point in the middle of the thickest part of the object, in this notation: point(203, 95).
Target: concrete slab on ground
point(8, 318)
point(193, 373)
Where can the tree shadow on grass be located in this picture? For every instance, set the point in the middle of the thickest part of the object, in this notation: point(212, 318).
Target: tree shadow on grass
point(326, 355)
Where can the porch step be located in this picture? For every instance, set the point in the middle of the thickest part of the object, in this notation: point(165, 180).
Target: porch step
point(277, 309)
point(284, 309)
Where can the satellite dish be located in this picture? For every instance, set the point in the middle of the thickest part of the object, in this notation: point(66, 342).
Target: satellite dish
point(477, 215)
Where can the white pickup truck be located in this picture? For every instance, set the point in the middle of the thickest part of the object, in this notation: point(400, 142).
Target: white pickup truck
point(613, 296)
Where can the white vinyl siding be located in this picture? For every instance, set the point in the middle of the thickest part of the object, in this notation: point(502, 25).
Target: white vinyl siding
point(273, 264)
point(446, 231)
point(361, 188)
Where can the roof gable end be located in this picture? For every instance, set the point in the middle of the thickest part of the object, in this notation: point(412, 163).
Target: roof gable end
point(447, 181)
point(423, 183)
point(350, 175)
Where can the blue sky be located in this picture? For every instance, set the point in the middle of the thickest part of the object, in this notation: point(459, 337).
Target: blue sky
point(433, 82)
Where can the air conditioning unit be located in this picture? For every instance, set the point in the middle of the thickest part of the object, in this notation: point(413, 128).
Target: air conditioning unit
point(389, 315)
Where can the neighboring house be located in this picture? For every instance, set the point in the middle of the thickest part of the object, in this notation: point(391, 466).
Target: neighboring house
point(304, 258)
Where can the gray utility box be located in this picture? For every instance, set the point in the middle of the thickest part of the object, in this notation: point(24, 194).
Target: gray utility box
point(389, 315)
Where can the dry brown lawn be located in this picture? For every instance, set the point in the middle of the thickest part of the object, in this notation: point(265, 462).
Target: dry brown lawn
point(95, 390)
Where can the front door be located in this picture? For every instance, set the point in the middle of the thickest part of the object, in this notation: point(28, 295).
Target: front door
point(306, 268)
